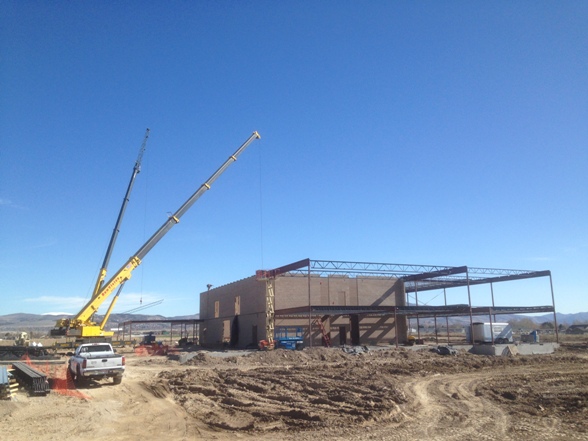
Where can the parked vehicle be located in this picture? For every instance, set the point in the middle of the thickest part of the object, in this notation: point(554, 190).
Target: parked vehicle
point(96, 361)
point(82, 325)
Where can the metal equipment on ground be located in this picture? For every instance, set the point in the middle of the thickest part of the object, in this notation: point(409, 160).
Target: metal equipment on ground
point(287, 337)
point(8, 384)
point(36, 382)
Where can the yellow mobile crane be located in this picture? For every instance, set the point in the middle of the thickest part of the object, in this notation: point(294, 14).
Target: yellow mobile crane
point(121, 213)
point(82, 326)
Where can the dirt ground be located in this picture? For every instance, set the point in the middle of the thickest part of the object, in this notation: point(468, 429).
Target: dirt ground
point(381, 394)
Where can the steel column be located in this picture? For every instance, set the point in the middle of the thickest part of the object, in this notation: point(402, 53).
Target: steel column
point(416, 299)
point(470, 305)
point(446, 317)
point(554, 313)
point(492, 293)
point(396, 325)
point(309, 312)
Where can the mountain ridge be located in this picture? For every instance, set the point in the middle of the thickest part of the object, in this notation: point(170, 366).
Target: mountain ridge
point(40, 322)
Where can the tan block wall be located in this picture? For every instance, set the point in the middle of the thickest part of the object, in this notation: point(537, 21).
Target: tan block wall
point(216, 331)
point(291, 292)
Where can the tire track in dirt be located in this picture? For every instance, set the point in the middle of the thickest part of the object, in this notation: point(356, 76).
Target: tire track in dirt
point(265, 399)
point(135, 407)
point(446, 407)
point(464, 406)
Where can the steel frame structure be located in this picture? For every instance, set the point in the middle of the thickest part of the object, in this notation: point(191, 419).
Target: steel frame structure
point(416, 278)
point(183, 327)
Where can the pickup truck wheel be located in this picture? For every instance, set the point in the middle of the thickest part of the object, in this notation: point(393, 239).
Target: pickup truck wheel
point(117, 379)
point(78, 378)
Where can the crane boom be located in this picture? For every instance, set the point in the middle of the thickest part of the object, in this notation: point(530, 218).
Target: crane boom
point(136, 171)
point(81, 325)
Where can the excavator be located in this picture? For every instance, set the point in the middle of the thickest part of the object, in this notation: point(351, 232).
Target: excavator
point(82, 326)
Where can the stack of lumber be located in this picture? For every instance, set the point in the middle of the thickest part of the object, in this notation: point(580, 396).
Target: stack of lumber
point(8, 384)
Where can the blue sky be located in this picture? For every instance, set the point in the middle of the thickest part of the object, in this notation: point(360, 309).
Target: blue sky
point(440, 133)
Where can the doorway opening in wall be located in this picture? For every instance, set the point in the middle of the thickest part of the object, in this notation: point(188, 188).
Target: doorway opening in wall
point(254, 335)
point(226, 331)
point(342, 335)
point(354, 322)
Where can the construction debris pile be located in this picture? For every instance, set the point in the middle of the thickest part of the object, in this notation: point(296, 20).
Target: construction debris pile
point(8, 384)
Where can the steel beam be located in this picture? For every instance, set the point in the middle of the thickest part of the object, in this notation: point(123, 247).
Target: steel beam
point(34, 380)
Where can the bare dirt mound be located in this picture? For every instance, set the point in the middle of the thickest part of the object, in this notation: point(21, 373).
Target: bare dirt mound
point(560, 399)
point(365, 395)
point(293, 398)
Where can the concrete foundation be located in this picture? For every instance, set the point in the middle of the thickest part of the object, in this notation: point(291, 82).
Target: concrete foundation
point(514, 349)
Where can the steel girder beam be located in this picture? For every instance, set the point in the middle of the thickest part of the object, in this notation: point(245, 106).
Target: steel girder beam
point(268, 274)
point(411, 311)
point(35, 380)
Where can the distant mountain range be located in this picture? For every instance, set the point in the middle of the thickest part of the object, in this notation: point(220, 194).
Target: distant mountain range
point(562, 319)
point(44, 322)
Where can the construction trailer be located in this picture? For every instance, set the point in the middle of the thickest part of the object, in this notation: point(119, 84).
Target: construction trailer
point(346, 303)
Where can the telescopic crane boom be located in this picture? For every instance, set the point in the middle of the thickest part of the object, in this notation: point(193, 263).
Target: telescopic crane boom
point(136, 171)
point(81, 325)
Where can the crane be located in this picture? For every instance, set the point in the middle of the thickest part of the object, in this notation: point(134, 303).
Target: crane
point(82, 326)
point(136, 171)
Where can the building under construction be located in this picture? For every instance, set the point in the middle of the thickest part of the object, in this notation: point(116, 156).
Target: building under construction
point(355, 303)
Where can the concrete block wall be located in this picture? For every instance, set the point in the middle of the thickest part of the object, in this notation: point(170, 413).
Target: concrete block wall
point(292, 292)
point(246, 298)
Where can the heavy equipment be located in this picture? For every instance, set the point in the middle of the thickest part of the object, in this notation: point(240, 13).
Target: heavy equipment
point(115, 231)
point(121, 213)
point(22, 346)
point(22, 339)
point(289, 337)
point(82, 326)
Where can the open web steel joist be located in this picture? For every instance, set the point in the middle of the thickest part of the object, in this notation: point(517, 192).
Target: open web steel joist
point(425, 276)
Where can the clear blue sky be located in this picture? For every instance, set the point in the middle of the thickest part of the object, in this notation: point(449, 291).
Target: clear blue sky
point(443, 133)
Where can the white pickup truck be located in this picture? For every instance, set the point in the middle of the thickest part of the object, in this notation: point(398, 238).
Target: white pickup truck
point(97, 361)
